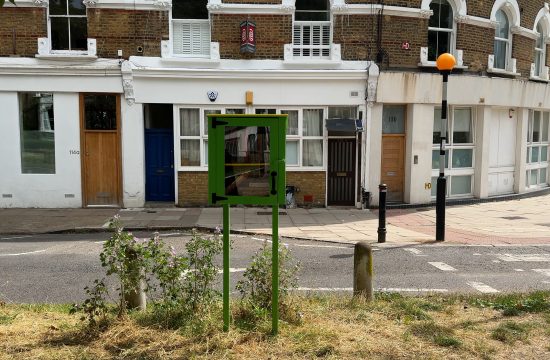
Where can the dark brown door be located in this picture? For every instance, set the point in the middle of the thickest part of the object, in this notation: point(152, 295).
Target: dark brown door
point(100, 124)
point(341, 172)
point(393, 165)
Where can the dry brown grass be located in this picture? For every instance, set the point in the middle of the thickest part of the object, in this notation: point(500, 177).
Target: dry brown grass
point(332, 327)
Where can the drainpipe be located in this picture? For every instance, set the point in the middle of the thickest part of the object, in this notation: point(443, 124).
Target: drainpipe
point(370, 98)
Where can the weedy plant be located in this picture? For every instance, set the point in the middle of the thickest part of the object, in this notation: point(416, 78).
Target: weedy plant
point(183, 284)
point(256, 286)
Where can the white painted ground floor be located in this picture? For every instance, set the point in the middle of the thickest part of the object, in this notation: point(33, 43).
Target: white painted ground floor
point(101, 134)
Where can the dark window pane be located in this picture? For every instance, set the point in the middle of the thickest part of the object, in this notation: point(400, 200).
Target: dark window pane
point(37, 133)
point(100, 112)
point(58, 7)
point(312, 5)
point(189, 9)
point(60, 33)
point(314, 10)
point(442, 14)
point(247, 161)
point(79, 34)
point(76, 7)
point(438, 43)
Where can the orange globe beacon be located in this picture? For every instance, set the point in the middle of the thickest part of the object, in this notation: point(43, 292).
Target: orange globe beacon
point(445, 62)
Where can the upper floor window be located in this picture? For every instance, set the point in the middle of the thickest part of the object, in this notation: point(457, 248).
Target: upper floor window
point(190, 28)
point(540, 51)
point(68, 26)
point(311, 32)
point(503, 41)
point(440, 29)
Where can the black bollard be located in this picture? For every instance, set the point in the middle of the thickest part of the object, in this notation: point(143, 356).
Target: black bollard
point(382, 213)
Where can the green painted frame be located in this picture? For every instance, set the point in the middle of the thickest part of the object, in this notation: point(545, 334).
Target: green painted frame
point(216, 157)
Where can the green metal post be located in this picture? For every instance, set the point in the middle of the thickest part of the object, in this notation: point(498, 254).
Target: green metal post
point(225, 267)
point(275, 271)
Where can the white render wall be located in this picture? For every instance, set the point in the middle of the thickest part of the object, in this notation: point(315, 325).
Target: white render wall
point(36, 190)
point(133, 154)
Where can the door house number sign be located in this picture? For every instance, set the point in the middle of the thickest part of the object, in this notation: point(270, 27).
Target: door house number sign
point(246, 165)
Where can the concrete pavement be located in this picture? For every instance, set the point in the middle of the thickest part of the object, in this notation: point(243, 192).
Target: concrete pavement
point(523, 221)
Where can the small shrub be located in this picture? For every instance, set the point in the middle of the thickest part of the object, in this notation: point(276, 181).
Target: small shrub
point(510, 332)
point(94, 307)
point(256, 289)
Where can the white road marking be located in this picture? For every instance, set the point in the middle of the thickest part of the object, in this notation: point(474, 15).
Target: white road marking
point(477, 254)
point(233, 270)
point(16, 237)
point(259, 239)
point(481, 287)
point(524, 257)
point(25, 253)
point(412, 290)
point(323, 289)
point(545, 272)
point(326, 246)
point(496, 261)
point(100, 242)
point(546, 282)
point(414, 251)
point(379, 290)
point(519, 270)
point(106, 225)
point(442, 266)
point(171, 234)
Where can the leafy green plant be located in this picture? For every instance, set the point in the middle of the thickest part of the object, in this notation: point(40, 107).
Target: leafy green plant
point(94, 307)
point(256, 287)
point(440, 335)
point(516, 304)
point(2, 2)
point(200, 278)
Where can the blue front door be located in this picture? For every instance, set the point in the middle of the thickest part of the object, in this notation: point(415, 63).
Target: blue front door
point(159, 165)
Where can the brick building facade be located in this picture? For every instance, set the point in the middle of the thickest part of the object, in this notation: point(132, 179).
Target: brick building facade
point(349, 59)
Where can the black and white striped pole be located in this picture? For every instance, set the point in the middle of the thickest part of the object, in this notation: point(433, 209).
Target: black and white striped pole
point(445, 64)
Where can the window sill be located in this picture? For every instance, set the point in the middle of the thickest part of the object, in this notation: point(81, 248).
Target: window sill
point(538, 79)
point(67, 56)
point(502, 72)
point(304, 63)
point(432, 64)
point(175, 59)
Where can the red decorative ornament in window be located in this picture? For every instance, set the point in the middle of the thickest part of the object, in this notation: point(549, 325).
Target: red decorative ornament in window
point(248, 37)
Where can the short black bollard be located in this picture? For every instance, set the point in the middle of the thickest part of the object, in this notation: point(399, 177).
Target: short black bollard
point(362, 270)
point(382, 213)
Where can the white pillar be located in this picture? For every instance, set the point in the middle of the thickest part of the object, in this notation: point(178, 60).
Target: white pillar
point(418, 153)
point(482, 151)
point(133, 155)
point(521, 150)
point(375, 151)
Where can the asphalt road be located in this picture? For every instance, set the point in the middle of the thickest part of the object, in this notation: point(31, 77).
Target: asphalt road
point(55, 268)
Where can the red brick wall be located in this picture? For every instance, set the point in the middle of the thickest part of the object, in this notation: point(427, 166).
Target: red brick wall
point(28, 24)
point(192, 188)
point(272, 33)
point(477, 43)
point(406, 3)
point(251, 1)
point(523, 52)
point(309, 183)
point(116, 29)
point(357, 39)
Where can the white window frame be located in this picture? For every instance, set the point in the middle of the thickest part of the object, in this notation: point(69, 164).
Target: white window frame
point(539, 145)
point(191, 22)
point(50, 49)
point(541, 28)
point(450, 146)
point(302, 24)
point(452, 31)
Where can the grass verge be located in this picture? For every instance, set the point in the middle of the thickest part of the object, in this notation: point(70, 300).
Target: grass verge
point(331, 327)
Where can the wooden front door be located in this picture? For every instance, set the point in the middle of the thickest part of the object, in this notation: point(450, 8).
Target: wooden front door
point(100, 137)
point(393, 151)
point(341, 172)
point(393, 164)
